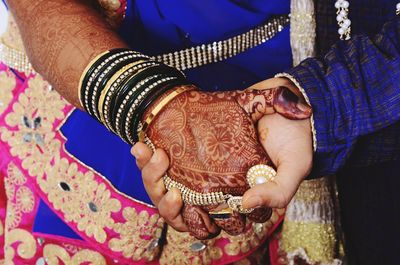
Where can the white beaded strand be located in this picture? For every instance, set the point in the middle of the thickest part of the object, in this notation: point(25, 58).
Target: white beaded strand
point(344, 22)
point(398, 8)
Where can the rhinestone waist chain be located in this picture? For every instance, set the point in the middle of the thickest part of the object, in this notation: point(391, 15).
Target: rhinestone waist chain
point(184, 59)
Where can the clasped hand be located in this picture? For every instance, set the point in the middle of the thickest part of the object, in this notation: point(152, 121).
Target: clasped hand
point(208, 141)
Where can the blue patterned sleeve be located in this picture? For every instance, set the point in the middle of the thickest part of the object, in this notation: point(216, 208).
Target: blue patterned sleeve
point(354, 91)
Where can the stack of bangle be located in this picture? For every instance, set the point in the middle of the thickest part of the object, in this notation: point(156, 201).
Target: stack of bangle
point(119, 85)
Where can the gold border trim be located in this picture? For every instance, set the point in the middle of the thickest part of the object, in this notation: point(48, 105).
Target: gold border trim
point(126, 196)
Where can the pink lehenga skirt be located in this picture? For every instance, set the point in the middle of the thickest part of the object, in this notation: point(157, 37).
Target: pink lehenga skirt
point(113, 227)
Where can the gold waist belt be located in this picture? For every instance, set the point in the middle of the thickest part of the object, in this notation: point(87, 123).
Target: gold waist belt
point(184, 59)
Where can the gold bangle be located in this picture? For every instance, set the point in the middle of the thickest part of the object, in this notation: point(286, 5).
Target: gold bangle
point(84, 74)
point(160, 106)
point(108, 86)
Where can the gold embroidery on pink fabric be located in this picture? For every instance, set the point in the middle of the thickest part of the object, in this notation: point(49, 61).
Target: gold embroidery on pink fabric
point(85, 201)
point(76, 194)
point(33, 114)
point(25, 245)
point(26, 248)
point(93, 170)
point(129, 242)
point(25, 199)
point(53, 254)
point(14, 175)
point(22, 242)
point(13, 217)
point(7, 83)
point(12, 182)
point(81, 199)
point(180, 249)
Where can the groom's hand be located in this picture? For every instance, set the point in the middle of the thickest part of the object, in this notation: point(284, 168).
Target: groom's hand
point(289, 145)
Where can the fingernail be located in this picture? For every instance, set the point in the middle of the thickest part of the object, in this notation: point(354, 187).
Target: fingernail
point(155, 158)
point(252, 202)
point(288, 96)
point(303, 106)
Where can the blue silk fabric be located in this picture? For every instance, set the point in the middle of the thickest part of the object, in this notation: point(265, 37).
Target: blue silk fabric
point(355, 95)
point(157, 27)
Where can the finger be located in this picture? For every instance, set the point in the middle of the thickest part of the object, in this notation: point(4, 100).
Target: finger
point(170, 207)
point(275, 82)
point(152, 174)
point(257, 103)
point(199, 222)
point(233, 225)
point(142, 153)
point(289, 145)
point(290, 105)
point(260, 215)
point(276, 193)
point(269, 83)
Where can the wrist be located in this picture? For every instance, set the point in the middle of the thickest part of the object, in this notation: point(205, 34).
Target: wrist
point(158, 104)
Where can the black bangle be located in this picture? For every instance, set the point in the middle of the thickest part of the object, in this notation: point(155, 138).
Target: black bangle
point(134, 100)
point(119, 85)
point(134, 90)
point(126, 88)
point(126, 111)
point(119, 63)
point(161, 70)
point(84, 86)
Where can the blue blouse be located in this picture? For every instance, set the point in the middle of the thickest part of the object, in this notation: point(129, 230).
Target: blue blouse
point(157, 27)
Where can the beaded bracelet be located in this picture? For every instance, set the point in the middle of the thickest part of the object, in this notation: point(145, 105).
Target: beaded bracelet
point(118, 101)
point(121, 112)
point(111, 85)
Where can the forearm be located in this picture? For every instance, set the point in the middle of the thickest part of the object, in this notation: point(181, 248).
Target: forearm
point(354, 91)
point(61, 37)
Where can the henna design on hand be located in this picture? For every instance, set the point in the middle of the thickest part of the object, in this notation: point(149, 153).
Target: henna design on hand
point(211, 141)
point(258, 103)
point(61, 37)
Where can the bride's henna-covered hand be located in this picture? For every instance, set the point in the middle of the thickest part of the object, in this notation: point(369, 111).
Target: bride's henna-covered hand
point(211, 142)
